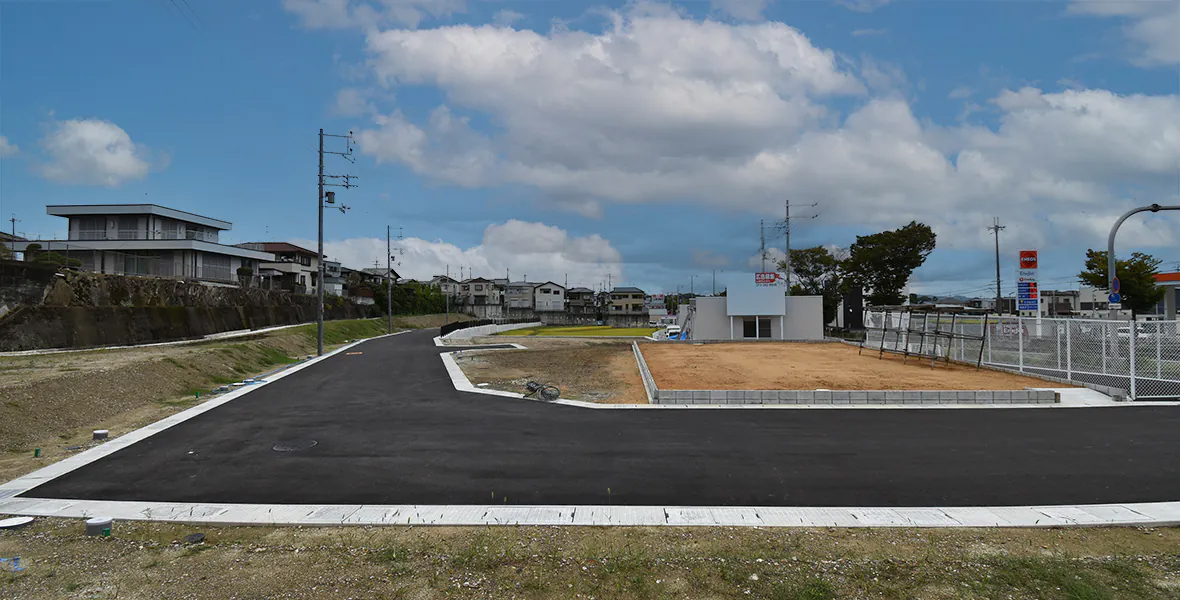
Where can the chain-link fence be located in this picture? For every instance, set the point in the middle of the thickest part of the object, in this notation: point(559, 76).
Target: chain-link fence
point(1141, 358)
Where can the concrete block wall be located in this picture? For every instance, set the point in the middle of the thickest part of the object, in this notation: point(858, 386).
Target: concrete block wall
point(855, 397)
point(471, 332)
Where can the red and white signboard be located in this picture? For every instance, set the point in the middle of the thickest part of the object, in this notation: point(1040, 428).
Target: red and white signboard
point(1028, 259)
point(769, 279)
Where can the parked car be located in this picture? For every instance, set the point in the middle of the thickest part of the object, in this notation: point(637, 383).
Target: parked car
point(673, 331)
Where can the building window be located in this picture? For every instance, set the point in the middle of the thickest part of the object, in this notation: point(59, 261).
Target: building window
point(556, 292)
point(545, 291)
point(479, 288)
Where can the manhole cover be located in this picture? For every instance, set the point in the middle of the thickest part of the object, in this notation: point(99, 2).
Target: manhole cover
point(293, 445)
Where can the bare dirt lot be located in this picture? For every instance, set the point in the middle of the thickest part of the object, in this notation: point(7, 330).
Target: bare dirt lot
point(787, 366)
point(591, 370)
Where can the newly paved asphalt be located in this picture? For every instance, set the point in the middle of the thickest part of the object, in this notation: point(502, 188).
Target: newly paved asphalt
point(391, 429)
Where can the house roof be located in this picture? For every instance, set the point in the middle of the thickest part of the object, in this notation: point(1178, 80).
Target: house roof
point(276, 247)
point(380, 272)
point(8, 237)
point(626, 290)
point(77, 210)
point(1167, 277)
point(552, 284)
point(580, 290)
point(477, 280)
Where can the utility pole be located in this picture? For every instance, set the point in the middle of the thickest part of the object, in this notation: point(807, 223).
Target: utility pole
point(447, 293)
point(14, 221)
point(787, 236)
point(691, 285)
point(997, 227)
point(714, 292)
point(762, 234)
point(388, 282)
point(609, 285)
point(329, 198)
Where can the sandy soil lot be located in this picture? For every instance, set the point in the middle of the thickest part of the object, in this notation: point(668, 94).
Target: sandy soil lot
point(594, 371)
point(786, 366)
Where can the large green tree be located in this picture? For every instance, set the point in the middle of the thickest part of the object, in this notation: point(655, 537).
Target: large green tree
point(883, 262)
point(816, 272)
point(1136, 278)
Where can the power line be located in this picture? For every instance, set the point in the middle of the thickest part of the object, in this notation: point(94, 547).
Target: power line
point(190, 9)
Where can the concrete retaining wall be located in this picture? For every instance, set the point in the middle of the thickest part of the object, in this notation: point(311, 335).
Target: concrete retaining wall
point(847, 397)
point(471, 332)
point(649, 384)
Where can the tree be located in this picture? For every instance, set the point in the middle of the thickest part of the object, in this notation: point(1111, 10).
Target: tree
point(1136, 278)
point(883, 262)
point(817, 273)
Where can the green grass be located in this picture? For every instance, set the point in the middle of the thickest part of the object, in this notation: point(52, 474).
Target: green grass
point(584, 331)
point(339, 332)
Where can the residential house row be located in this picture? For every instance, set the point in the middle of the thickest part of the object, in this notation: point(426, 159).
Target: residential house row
point(544, 296)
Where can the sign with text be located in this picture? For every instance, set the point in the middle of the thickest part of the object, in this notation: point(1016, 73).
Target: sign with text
point(1028, 259)
point(769, 279)
point(1027, 293)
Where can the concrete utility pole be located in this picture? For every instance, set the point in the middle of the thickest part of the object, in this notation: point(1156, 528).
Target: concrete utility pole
point(14, 221)
point(329, 198)
point(691, 284)
point(997, 227)
point(762, 235)
point(1110, 262)
point(714, 292)
point(447, 292)
point(388, 281)
point(787, 237)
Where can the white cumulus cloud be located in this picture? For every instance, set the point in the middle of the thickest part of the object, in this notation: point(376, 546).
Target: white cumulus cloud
point(542, 252)
point(342, 14)
point(1153, 26)
point(92, 152)
point(7, 148)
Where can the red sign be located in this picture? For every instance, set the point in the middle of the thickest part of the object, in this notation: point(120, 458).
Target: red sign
point(766, 277)
point(1028, 259)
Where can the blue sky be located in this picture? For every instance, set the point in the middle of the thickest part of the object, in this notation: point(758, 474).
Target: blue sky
point(644, 140)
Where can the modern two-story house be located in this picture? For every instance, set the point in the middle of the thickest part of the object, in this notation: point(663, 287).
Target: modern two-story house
point(627, 301)
point(548, 297)
point(580, 301)
point(148, 240)
point(293, 268)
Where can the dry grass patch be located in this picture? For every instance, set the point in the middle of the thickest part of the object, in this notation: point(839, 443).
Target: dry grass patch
point(599, 371)
point(147, 560)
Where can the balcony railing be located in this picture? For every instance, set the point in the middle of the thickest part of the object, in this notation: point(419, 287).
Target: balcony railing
point(138, 234)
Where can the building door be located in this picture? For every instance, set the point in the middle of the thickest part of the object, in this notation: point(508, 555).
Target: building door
point(764, 328)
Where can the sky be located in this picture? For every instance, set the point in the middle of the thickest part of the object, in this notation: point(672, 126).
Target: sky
point(636, 142)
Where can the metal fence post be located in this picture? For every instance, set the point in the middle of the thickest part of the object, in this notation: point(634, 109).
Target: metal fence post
point(989, 338)
point(1020, 342)
point(1131, 335)
point(1159, 373)
point(1068, 353)
point(1105, 340)
point(1057, 328)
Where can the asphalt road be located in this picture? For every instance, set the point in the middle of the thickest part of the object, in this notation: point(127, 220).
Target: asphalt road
point(391, 429)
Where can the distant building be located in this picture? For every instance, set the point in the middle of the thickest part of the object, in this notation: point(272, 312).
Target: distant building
point(148, 240)
point(580, 301)
point(294, 268)
point(478, 292)
point(449, 286)
point(333, 278)
point(1171, 284)
point(548, 297)
point(627, 301)
point(520, 295)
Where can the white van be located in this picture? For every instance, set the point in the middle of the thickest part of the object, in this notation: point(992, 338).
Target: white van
point(673, 331)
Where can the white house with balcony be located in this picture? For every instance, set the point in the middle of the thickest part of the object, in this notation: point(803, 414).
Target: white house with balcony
point(548, 297)
point(148, 240)
point(292, 268)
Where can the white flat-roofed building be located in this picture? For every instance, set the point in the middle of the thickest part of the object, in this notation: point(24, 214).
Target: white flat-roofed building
point(148, 240)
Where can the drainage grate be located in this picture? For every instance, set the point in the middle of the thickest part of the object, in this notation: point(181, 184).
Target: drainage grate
point(293, 445)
